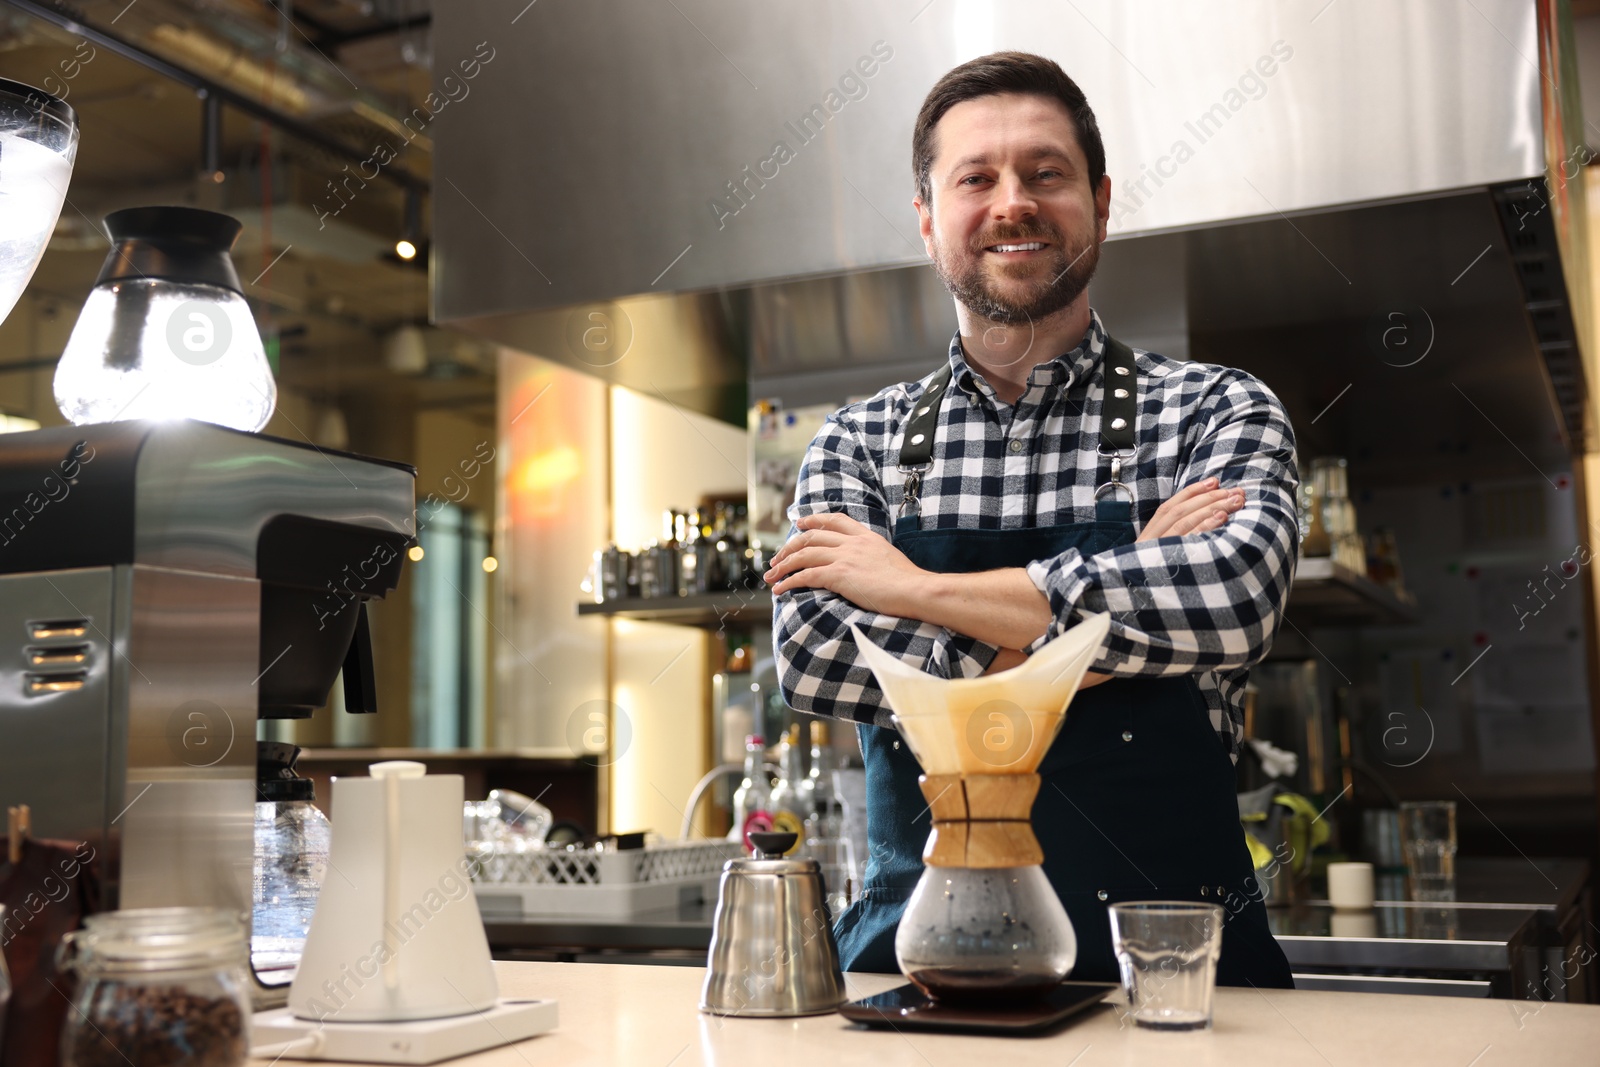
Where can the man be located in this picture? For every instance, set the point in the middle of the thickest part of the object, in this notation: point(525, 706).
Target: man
point(964, 520)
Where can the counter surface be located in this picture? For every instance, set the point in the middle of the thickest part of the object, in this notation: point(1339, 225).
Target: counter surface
point(643, 1016)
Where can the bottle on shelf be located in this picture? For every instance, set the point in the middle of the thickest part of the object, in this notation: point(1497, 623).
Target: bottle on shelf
point(752, 803)
point(789, 812)
point(691, 571)
point(826, 840)
point(817, 787)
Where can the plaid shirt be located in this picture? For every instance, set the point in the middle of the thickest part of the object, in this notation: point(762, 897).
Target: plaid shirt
point(1205, 604)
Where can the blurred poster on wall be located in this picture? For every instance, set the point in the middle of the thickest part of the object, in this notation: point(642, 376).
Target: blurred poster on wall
point(778, 441)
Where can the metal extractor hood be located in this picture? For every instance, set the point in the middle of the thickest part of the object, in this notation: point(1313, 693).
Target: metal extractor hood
point(696, 197)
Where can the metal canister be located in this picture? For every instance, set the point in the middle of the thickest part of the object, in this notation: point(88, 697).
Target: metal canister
point(705, 576)
point(612, 581)
point(658, 573)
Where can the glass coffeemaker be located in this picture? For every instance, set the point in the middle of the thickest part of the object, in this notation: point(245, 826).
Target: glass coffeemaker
point(983, 921)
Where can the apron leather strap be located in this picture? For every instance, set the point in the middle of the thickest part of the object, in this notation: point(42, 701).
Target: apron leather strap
point(1121, 399)
point(916, 446)
point(1117, 415)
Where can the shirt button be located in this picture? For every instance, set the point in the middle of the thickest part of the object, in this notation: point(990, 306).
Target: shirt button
point(1102, 894)
point(1016, 446)
point(1127, 735)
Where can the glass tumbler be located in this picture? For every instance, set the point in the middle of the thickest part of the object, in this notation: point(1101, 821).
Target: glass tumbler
point(1167, 951)
point(1428, 838)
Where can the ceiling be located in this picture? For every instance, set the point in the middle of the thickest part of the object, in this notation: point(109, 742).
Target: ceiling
point(342, 72)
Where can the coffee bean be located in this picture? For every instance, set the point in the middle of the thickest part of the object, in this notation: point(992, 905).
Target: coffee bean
point(155, 1026)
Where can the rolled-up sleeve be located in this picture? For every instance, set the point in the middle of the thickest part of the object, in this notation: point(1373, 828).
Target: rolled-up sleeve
point(818, 670)
point(1206, 602)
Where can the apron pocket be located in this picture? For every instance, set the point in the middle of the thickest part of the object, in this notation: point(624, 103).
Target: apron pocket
point(1097, 719)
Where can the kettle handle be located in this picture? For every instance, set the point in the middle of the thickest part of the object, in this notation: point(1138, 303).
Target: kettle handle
point(391, 772)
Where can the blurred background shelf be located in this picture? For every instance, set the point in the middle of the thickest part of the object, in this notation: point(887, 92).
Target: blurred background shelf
point(1324, 594)
point(739, 607)
point(1328, 594)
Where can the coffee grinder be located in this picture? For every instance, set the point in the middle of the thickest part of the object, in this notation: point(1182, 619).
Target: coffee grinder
point(166, 583)
point(164, 586)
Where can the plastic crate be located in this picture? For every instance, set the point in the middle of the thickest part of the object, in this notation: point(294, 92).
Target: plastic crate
point(597, 883)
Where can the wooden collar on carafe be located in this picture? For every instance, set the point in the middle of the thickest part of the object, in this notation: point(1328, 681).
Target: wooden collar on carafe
point(981, 820)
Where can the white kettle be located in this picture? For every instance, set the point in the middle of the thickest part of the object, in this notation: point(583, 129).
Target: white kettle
point(397, 935)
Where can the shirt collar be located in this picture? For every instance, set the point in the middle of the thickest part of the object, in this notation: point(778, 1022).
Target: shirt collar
point(1064, 371)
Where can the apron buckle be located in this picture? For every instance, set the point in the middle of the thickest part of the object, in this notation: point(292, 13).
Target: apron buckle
point(910, 504)
point(1115, 481)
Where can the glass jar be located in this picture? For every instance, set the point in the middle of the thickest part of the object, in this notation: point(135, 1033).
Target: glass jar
point(5, 984)
point(159, 987)
point(985, 933)
point(1332, 530)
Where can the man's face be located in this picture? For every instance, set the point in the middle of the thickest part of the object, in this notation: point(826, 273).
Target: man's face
point(1008, 171)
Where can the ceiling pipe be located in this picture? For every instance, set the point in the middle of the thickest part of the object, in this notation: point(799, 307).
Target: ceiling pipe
point(59, 15)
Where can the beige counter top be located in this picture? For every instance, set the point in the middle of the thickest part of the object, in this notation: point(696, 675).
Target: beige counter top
point(642, 1016)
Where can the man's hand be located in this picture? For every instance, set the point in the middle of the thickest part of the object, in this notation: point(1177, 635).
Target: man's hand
point(835, 552)
point(1194, 509)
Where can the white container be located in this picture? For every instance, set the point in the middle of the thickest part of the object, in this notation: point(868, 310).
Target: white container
point(396, 935)
point(1350, 886)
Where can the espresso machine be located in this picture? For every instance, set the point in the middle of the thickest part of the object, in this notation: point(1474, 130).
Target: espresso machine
point(164, 585)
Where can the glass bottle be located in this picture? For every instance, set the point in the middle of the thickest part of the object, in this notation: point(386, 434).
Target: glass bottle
point(292, 839)
point(752, 803)
point(826, 840)
point(817, 788)
point(691, 574)
point(789, 810)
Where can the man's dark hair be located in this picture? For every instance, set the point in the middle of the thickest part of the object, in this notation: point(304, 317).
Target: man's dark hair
point(1004, 72)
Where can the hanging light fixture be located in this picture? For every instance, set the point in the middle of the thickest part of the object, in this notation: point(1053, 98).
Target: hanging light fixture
point(166, 332)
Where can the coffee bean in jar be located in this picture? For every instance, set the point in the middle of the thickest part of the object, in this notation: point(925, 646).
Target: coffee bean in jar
point(159, 987)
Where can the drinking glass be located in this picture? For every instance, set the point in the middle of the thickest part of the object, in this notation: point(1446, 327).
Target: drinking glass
point(1168, 952)
point(1428, 838)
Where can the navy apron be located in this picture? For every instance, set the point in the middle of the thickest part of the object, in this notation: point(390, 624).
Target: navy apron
point(1137, 799)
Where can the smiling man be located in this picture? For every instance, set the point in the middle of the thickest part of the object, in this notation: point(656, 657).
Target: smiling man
point(1045, 471)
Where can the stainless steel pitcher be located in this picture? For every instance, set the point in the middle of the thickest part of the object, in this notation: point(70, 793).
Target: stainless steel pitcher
point(772, 948)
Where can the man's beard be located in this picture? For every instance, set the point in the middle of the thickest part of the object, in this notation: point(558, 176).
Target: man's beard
point(1062, 279)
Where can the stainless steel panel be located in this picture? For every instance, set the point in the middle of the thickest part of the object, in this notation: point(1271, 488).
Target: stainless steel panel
point(591, 154)
point(187, 827)
point(56, 747)
point(204, 494)
point(152, 761)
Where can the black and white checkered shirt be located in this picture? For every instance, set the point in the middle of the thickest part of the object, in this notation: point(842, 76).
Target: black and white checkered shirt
point(1206, 604)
